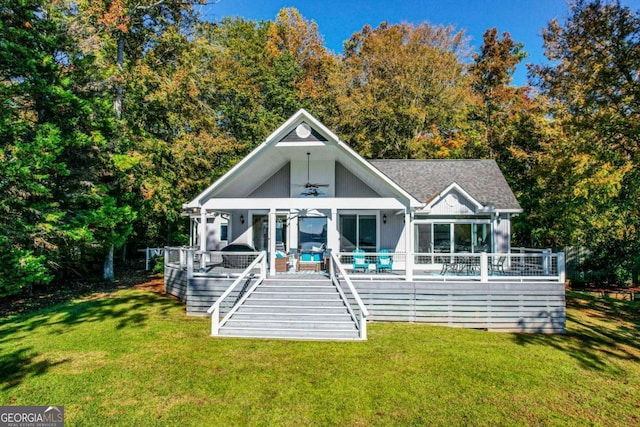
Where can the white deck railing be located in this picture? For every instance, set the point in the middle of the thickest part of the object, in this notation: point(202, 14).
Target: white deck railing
point(363, 313)
point(519, 266)
point(214, 310)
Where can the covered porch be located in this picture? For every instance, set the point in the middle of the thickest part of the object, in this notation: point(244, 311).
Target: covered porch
point(301, 232)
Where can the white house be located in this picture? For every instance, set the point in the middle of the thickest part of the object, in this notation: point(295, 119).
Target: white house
point(390, 240)
point(303, 187)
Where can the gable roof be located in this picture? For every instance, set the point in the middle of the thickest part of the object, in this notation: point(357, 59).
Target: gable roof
point(426, 179)
point(268, 157)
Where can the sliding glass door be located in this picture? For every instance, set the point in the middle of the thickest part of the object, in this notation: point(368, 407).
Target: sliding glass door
point(453, 237)
point(358, 231)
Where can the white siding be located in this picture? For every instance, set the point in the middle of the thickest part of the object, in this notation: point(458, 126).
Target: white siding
point(348, 185)
point(275, 187)
point(453, 203)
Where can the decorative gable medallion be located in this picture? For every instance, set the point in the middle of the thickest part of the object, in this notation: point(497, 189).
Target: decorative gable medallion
point(303, 133)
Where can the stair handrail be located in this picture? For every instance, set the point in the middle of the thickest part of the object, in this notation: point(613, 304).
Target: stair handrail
point(364, 313)
point(214, 310)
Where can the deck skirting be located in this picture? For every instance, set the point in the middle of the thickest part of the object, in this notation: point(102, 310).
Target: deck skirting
point(537, 307)
point(507, 307)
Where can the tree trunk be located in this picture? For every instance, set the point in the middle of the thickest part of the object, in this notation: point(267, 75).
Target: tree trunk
point(117, 102)
point(108, 274)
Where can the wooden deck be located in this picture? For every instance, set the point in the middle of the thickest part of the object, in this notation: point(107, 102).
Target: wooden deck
point(508, 306)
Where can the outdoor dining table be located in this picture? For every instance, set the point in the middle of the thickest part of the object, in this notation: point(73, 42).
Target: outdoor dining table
point(461, 263)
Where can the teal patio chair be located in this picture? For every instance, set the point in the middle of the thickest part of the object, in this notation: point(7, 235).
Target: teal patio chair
point(360, 261)
point(384, 261)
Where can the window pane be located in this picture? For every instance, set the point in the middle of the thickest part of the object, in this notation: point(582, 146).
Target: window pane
point(313, 233)
point(482, 238)
point(260, 232)
point(462, 237)
point(423, 238)
point(442, 237)
point(281, 233)
point(367, 233)
point(224, 229)
point(348, 233)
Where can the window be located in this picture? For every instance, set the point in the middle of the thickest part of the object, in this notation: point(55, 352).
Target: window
point(358, 231)
point(224, 231)
point(453, 237)
point(312, 233)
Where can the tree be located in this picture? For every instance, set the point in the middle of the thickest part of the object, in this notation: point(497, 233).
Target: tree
point(54, 159)
point(401, 91)
point(594, 84)
point(491, 71)
point(292, 36)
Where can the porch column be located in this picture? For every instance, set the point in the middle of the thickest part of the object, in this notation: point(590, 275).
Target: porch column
point(408, 233)
point(272, 241)
point(192, 227)
point(203, 229)
point(333, 238)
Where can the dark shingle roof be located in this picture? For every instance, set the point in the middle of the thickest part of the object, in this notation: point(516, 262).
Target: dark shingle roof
point(425, 179)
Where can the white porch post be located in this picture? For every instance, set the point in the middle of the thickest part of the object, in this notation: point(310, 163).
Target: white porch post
point(203, 229)
point(561, 268)
point(333, 237)
point(272, 241)
point(484, 267)
point(191, 226)
point(408, 232)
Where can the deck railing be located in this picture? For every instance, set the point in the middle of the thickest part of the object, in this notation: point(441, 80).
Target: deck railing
point(245, 277)
point(176, 256)
point(337, 271)
point(520, 266)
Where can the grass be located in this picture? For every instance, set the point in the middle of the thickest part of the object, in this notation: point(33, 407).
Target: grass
point(132, 357)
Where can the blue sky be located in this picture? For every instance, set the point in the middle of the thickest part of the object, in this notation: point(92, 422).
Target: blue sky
point(338, 19)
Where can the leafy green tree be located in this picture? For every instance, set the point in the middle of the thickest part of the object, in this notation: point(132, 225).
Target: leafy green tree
point(54, 159)
point(401, 91)
point(594, 84)
point(492, 71)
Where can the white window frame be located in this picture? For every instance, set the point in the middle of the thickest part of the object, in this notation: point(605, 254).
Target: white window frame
point(358, 213)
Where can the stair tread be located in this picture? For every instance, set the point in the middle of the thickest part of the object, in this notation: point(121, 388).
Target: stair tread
point(249, 328)
point(293, 309)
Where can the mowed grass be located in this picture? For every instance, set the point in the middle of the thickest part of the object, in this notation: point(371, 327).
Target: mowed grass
point(133, 357)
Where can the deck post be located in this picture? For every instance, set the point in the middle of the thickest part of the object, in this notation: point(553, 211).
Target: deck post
point(363, 327)
point(166, 256)
point(272, 242)
point(408, 262)
point(189, 264)
point(484, 267)
point(215, 321)
point(561, 267)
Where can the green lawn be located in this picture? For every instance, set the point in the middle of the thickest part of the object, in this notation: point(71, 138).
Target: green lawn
point(133, 357)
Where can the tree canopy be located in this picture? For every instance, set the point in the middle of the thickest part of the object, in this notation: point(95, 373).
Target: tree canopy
point(116, 112)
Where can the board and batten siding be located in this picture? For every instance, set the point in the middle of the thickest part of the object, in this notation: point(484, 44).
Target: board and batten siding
point(508, 307)
point(275, 187)
point(349, 185)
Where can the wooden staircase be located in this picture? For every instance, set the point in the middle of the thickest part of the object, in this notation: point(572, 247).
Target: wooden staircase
point(304, 309)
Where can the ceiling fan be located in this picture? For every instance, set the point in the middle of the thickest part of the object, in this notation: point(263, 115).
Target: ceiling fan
point(311, 189)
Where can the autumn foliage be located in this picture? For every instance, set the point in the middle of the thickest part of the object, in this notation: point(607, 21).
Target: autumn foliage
point(116, 112)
